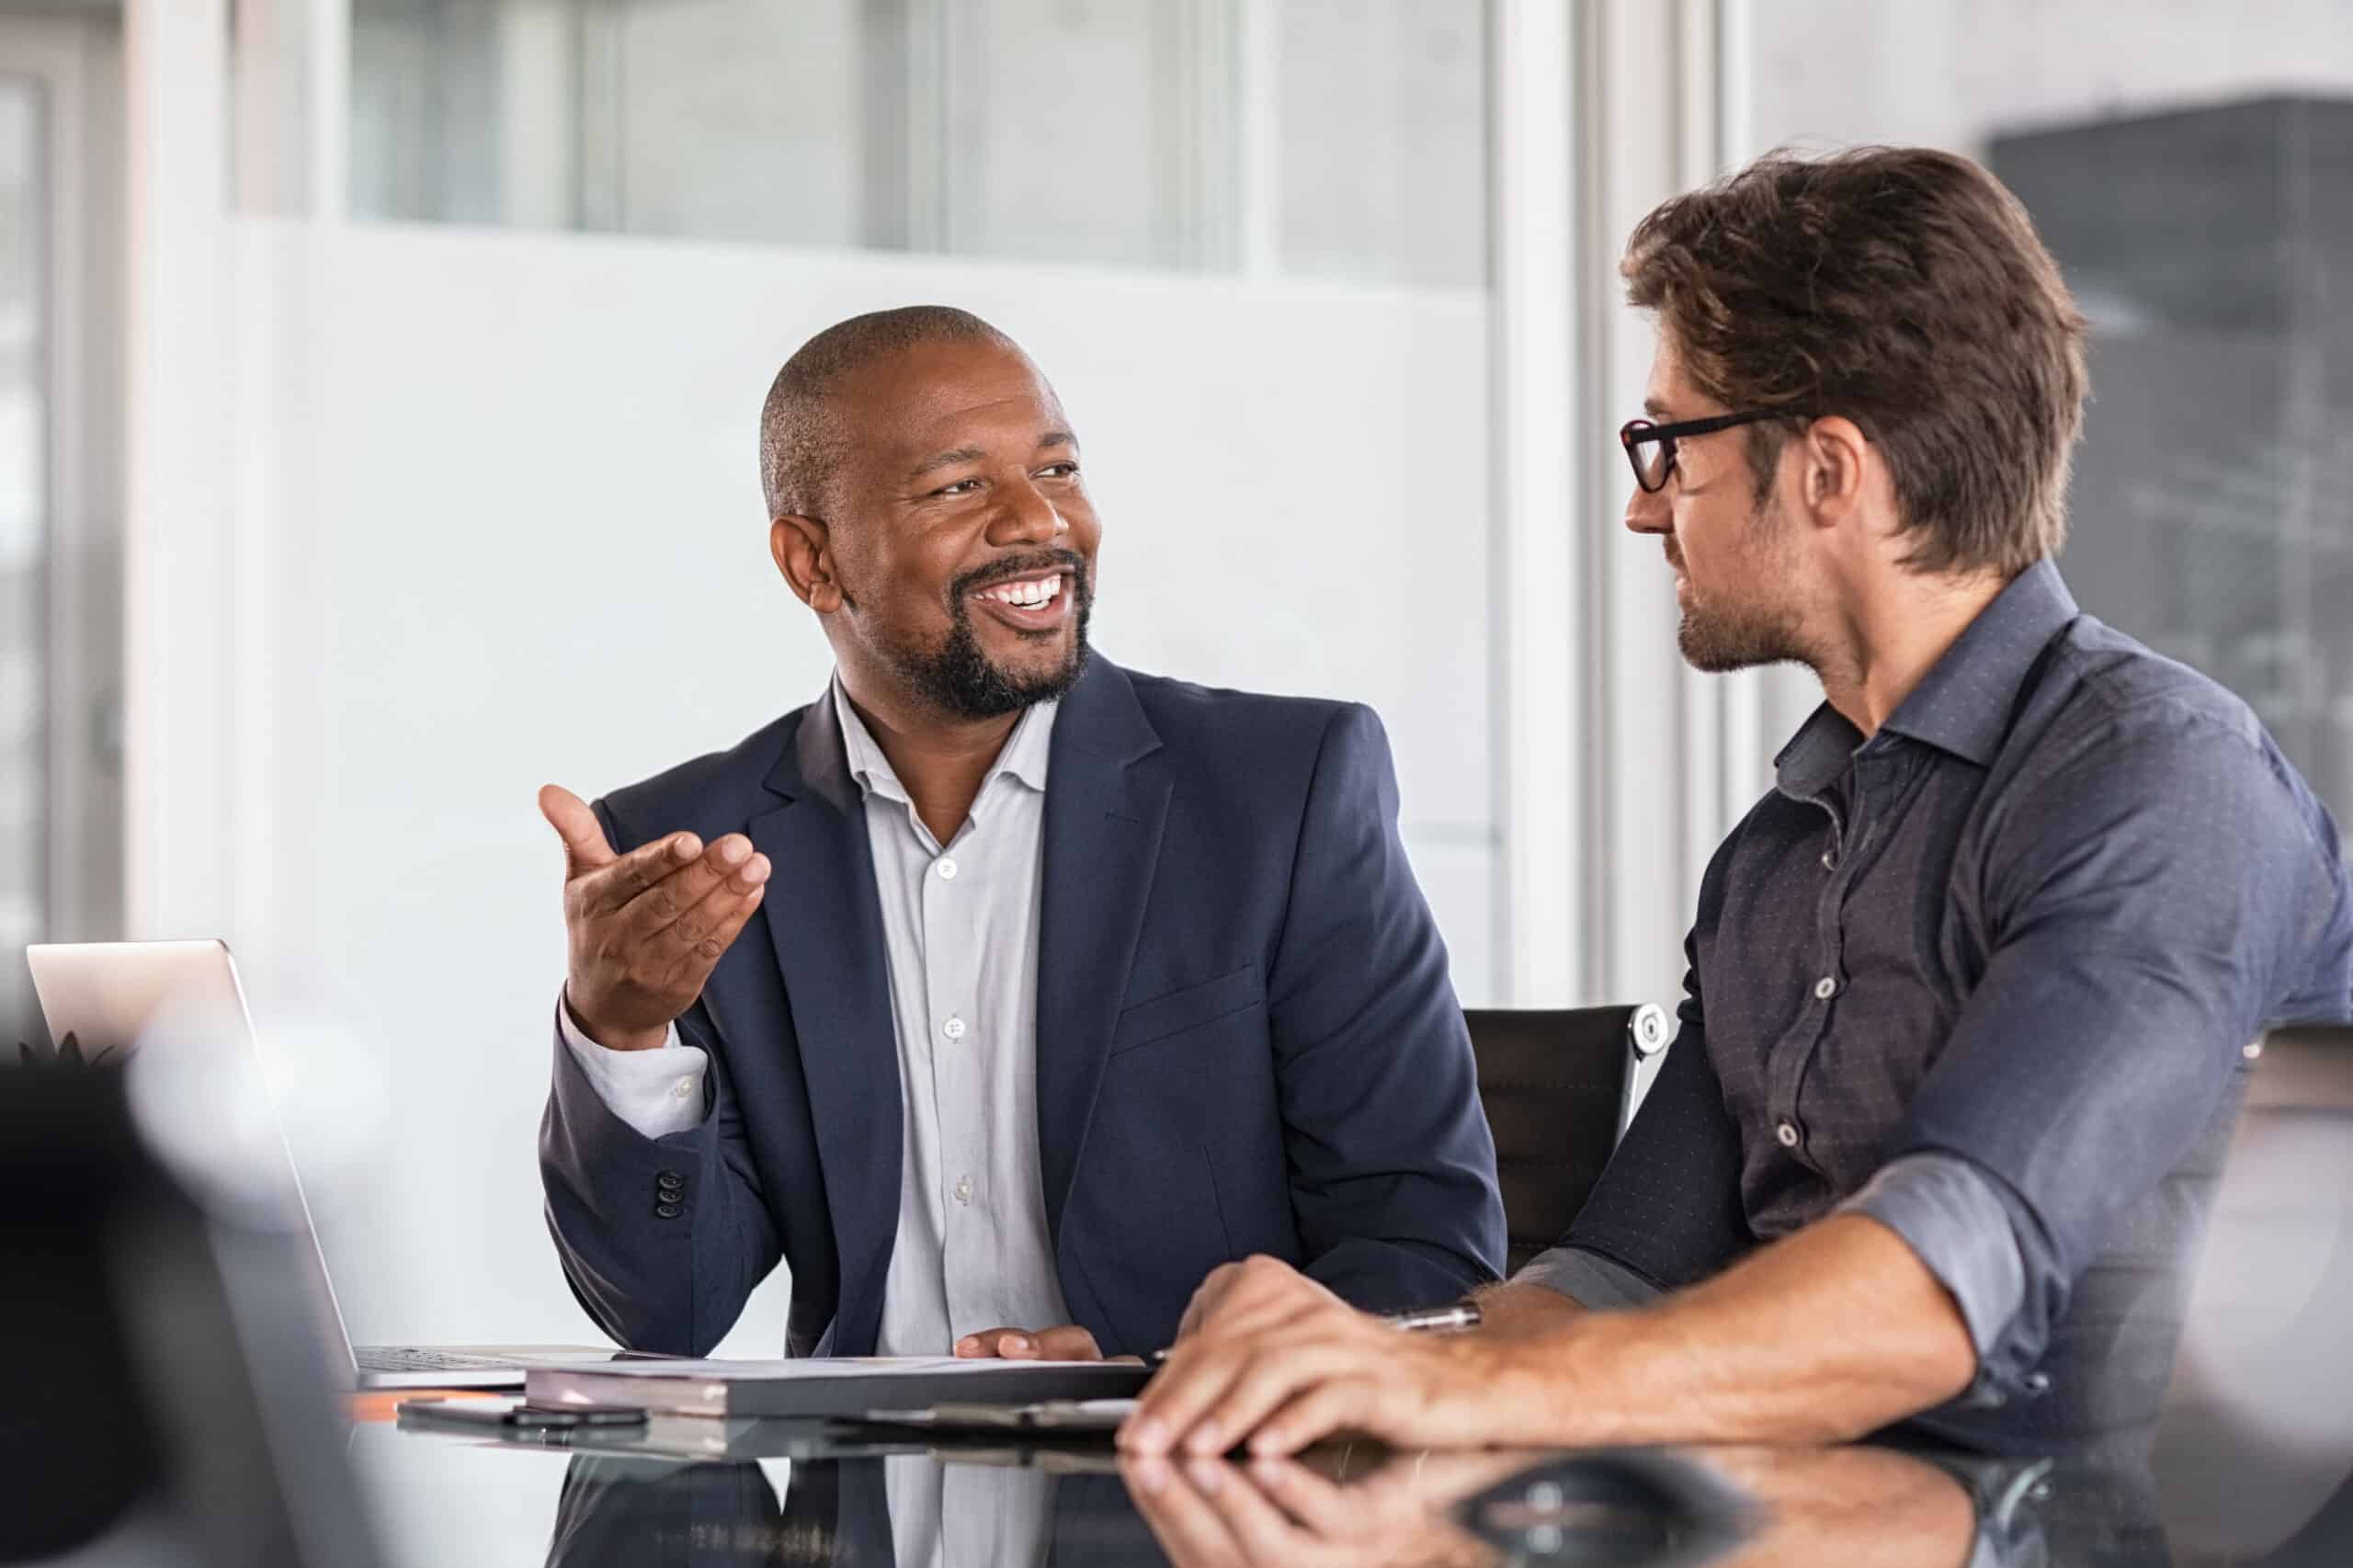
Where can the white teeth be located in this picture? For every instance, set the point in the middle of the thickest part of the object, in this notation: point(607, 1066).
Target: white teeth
point(1031, 594)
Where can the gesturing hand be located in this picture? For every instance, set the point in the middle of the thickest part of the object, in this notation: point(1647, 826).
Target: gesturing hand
point(645, 929)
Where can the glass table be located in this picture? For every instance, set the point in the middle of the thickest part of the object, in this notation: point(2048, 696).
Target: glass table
point(707, 1493)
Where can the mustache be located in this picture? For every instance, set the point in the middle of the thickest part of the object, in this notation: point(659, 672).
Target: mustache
point(1011, 568)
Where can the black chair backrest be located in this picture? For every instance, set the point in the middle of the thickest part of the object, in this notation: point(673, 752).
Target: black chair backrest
point(1554, 1087)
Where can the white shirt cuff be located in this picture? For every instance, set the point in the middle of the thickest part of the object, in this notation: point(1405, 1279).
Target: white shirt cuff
point(657, 1092)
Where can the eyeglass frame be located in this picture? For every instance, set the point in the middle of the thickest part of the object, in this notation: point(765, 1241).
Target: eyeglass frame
point(1642, 432)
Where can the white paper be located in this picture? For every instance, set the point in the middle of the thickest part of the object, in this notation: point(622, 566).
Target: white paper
point(734, 1371)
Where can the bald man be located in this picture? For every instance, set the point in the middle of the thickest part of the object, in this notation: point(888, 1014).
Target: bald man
point(1002, 993)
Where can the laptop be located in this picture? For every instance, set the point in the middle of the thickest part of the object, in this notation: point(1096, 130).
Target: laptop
point(106, 994)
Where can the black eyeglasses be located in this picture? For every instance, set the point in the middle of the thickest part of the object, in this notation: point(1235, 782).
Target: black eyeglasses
point(1652, 469)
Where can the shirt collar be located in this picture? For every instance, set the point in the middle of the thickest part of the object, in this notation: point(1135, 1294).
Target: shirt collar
point(1963, 704)
point(1023, 758)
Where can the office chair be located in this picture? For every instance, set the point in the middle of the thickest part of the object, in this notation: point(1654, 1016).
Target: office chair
point(1558, 1088)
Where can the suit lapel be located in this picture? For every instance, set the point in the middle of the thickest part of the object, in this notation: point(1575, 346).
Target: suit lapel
point(825, 921)
point(1105, 806)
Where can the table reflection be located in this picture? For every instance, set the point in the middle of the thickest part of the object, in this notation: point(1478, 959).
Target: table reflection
point(980, 1509)
point(1879, 1507)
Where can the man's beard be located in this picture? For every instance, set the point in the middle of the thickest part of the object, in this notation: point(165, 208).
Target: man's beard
point(1720, 638)
point(956, 675)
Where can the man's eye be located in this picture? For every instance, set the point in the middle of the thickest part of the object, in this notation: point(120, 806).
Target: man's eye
point(961, 487)
point(1059, 470)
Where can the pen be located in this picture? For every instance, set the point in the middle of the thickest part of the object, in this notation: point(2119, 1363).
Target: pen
point(1425, 1320)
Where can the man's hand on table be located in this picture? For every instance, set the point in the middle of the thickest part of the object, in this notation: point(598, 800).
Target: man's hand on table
point(1258, 1292)
point(1278, 1360)
point(645, 929)
point(1067, 1343)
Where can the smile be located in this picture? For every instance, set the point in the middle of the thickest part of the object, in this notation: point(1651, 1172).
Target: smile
point(1026, 593)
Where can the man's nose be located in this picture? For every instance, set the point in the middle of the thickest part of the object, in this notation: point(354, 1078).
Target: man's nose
point(1027, 516)
point(1648, 513)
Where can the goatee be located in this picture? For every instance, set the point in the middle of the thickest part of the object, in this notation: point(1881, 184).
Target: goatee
point(959, 679)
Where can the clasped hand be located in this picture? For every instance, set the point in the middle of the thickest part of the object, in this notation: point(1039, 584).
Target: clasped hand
point(1274, 1361)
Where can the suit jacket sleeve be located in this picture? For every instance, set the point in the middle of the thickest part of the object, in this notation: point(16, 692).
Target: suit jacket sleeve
point(1392, 1168)
point(662, 1266)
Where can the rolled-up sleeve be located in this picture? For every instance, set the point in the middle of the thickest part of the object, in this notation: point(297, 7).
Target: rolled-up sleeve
point(2145, 900)
point(1588, 1278)
point(1957, 1224)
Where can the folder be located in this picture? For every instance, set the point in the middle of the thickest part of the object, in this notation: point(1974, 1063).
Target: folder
point(827, 1386)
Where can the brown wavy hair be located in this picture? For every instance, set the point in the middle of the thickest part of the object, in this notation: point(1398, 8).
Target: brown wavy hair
point(1905, 289)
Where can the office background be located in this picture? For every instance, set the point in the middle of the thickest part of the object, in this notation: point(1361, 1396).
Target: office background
point(378, 383)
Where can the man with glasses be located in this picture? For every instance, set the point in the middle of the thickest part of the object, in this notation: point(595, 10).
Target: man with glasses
point(1970, 990)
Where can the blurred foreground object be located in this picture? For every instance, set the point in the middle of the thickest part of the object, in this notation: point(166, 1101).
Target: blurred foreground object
point(2258, 1425)
point(68, 1054)
point(168, 1404)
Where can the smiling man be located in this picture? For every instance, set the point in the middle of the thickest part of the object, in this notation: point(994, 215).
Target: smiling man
point(1001, 992)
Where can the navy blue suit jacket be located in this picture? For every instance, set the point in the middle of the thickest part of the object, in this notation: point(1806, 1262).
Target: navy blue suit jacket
point(1247, 1041)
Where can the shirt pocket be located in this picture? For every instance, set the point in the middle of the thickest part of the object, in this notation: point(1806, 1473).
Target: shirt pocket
point(1179, 1012)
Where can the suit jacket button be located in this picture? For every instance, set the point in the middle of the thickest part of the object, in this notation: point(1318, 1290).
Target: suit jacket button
point(669, 1181)
point(668, 1210)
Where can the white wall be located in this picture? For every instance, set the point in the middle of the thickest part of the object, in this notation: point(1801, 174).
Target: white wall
point(498, 499)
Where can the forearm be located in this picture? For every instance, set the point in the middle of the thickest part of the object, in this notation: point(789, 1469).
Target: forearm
point(1831, 1333)
point(1517, 1309)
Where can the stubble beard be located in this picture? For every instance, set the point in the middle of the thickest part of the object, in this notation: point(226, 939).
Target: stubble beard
point(1719, 637)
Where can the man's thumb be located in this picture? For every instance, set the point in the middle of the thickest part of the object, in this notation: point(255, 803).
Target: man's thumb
point(585, 847)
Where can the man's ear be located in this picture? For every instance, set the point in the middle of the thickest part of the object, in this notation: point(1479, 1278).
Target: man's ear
point(1835, 462)
point(804, 553)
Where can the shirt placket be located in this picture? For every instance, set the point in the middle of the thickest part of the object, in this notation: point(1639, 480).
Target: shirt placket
point(1878, 784)
point(1796, 1048)
point(951, 907)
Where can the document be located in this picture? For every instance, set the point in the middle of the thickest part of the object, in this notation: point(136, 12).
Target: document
point(844, 1385)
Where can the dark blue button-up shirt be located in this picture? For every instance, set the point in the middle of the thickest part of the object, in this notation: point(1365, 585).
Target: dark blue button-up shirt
point(1989, 976)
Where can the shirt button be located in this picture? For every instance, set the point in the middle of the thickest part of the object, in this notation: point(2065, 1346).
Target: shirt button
point(953, 1029)
point(947, 869)
point(964, 1190)
point(1826, 987)
point(682, 1088)
point(1787, 1135)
